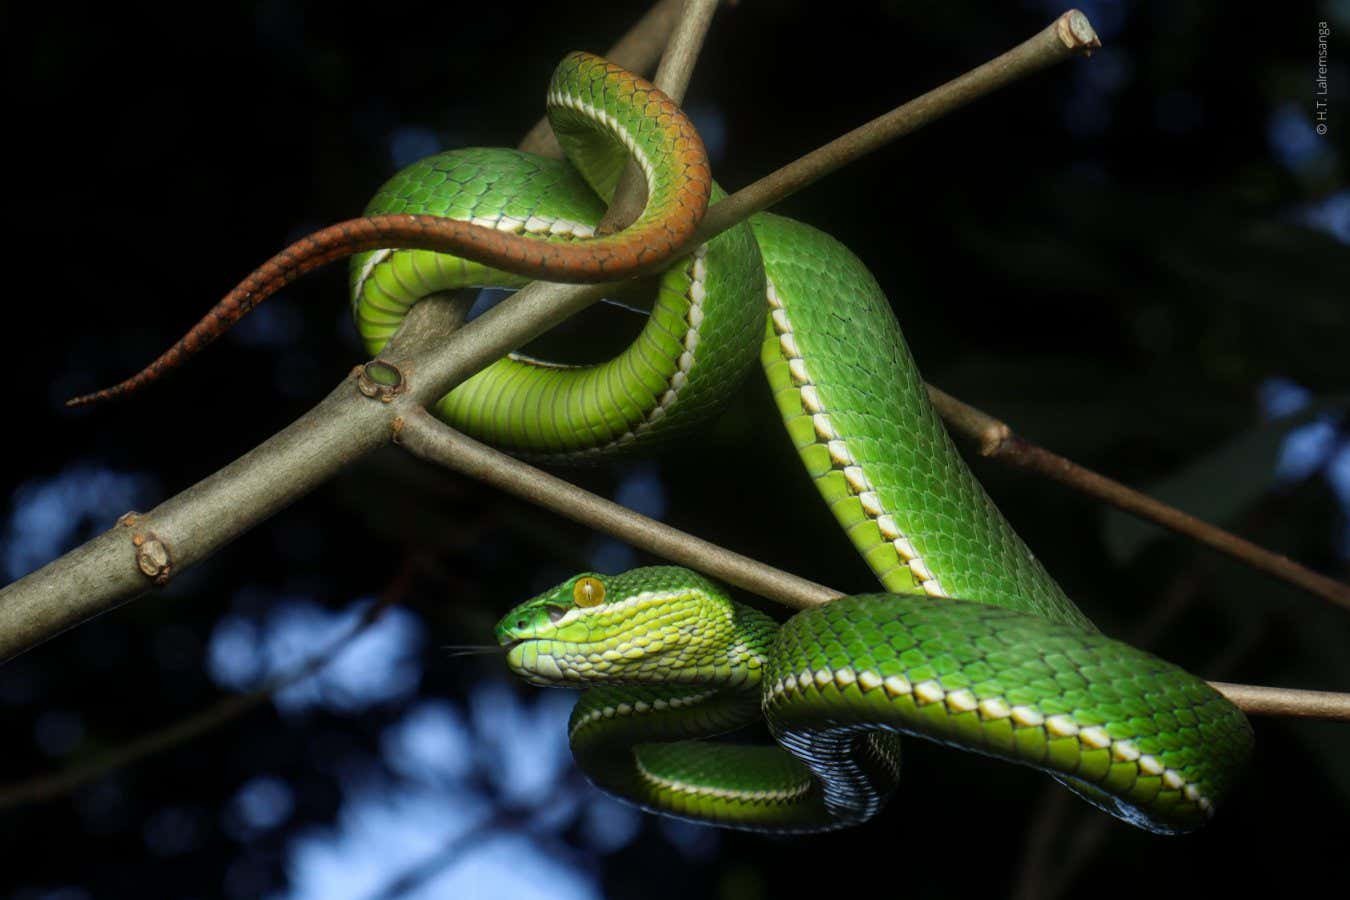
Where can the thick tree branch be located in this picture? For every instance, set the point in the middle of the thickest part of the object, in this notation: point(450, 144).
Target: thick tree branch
point(1068, 36)
point(146, 550)
point(437, 442)
point(113, 567)
point(427, 358)
point(433, 440)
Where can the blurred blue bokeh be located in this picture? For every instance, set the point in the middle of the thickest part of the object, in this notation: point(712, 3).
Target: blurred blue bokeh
point(1316, 447)
point(1295, 144)
point(436, 828)
point(430, 744)
point(263, 803)
point(410, 143)
point(470, 790)
point(1308, 448)
point(448, 771)
point(50, 515)
point(381, 665)
point(1330, 215)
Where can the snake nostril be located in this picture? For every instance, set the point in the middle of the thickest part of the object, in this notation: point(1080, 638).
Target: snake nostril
point(521, 624)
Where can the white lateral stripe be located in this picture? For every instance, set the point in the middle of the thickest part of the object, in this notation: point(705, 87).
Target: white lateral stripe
point(612, 124)
point(841, 458)
point(534, 225)
point(682, 787)
point(990, 709)
point(609, 712)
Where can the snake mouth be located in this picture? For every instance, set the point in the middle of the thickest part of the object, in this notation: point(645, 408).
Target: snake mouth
point(516, 655)
point(537, 668)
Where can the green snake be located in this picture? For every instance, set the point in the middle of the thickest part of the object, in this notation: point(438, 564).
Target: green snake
point(1010, 669)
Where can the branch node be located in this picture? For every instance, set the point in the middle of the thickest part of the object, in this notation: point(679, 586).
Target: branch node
point(153, 557)
point(128, 518)
point(381, 380)
point(996, 438)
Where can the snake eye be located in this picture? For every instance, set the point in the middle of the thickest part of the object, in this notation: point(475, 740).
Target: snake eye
point(588, 591)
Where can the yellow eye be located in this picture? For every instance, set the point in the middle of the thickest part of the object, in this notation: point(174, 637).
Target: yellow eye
point(588, 591)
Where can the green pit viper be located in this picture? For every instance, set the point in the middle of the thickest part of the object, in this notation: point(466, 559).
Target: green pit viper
point(1011, 669)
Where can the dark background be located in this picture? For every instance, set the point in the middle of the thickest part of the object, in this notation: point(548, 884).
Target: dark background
point(1139, 260)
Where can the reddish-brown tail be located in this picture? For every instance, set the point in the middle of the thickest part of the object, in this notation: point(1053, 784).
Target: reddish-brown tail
point(647, 244)
point(305, 255)
point(609, 258)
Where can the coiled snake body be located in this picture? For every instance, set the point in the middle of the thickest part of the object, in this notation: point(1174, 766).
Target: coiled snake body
point(1011, 668)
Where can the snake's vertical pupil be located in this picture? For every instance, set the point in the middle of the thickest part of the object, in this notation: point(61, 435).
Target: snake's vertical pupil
point(588, 591)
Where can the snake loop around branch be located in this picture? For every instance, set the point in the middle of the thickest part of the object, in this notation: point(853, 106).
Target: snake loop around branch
point(974, 645)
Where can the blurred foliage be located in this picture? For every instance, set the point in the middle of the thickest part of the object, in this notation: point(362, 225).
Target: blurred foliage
point(1115, 256)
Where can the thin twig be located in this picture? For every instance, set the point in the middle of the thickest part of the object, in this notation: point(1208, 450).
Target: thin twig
point(997, 440)
point(109, 569)
point(432, 357)
point(686, 42)
point(637, 51)
point(188, 728)
point(541, 305)
point(1269, 701)
point(1068, 36)
point(672, 76)
point(433, 440)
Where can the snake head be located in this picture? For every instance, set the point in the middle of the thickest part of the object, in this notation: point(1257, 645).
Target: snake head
point(659, 624)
